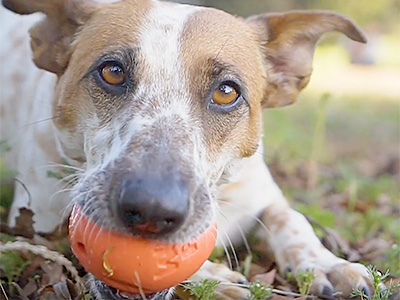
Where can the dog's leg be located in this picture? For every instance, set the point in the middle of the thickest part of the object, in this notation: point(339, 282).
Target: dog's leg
point(287, 232)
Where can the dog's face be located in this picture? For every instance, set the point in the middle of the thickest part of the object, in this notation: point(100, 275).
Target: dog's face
point(161, 100)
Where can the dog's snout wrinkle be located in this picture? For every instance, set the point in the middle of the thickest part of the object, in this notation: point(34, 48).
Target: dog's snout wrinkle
point(153, 203)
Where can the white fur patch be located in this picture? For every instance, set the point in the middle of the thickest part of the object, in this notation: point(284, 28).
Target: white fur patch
point(160, 52)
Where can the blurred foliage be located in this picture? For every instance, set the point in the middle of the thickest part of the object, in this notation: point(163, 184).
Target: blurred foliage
point(384, 12)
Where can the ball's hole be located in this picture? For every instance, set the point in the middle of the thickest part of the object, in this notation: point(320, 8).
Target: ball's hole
point(81, 248)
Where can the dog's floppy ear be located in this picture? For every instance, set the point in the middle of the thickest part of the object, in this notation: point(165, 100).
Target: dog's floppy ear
point(288, 42)
point(51, 38)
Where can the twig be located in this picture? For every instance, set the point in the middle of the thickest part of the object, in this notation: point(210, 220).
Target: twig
point(26, 190)
point(3, 290)
point(45, 253)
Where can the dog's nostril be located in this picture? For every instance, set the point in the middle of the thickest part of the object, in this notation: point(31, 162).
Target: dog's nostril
point(169, 221)
point(133, 217)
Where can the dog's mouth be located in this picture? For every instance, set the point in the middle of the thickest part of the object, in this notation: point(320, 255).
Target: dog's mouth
point(104, 291)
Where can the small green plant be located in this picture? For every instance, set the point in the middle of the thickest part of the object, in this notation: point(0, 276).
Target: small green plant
point(260, 291)
point(247, 265)
point(392, 262)
point(304, 280)
point(202, 290)
point(12, 264)
point(381, 292)
point(217, 254)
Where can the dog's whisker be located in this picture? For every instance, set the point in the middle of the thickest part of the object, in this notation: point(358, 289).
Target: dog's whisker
point(94, 227)
point(85, 209)
point(74, 176)
point(263, 226)
point(59, 165)
point(101, 229)
point(245, 241)
point(65, 211)
point(37, 122)
point(67, 187)
point(225, 233)
point(228, 256)
point(59, 192)
point(69, 206)
point(235, 257)
point(220, 50)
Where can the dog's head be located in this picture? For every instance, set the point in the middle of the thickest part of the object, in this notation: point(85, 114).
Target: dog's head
point(161, 99)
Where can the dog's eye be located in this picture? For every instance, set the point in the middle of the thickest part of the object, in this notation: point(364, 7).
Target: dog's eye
point(112, 73)
point(225, 93)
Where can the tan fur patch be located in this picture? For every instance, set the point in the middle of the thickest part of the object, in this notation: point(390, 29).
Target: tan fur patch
point(209, 37)
point(102, 32)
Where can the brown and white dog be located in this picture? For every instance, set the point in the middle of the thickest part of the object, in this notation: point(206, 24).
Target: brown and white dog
point(159, 108)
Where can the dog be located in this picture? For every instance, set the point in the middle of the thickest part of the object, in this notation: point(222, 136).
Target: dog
point(158, 107)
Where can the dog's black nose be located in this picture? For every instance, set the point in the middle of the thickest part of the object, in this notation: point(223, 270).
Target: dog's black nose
point(153, 204)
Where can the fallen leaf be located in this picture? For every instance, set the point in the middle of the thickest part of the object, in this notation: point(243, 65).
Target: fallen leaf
point(266, 278)
point(53, 273)
point(24, 223)
point(30, 287)
point(20, 291)
point(62, 290)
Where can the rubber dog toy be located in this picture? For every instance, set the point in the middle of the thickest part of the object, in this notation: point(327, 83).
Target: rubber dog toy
point(133, 264)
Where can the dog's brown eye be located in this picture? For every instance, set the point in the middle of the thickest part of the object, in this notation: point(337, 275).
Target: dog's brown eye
point(113, 74)
point(225, 94)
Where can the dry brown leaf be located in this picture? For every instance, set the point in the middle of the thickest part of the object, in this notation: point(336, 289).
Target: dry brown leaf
point(31, 268)
point(266, 278)
point(20, 291)
point(53, 273)
point(24, 223)
point(256, 269)
point(30, 287)
point(62, 290)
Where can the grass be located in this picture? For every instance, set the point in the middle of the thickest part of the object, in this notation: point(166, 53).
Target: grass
point(351, 141)
point(259, 291)
point(304, 280)
point(381, 292)
point(203, 290)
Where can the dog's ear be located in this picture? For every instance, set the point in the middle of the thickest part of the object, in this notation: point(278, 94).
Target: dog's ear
point(288, 42)
point(51, 38)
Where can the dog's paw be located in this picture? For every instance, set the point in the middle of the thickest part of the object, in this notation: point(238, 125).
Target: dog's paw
point(227, 289)
point(336, 277)
point(347, 276)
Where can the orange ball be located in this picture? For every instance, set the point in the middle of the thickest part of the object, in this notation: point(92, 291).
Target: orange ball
point(129, 264)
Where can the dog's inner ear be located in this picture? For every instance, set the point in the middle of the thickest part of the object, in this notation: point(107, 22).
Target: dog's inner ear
point(288, 41)
point(51, 38)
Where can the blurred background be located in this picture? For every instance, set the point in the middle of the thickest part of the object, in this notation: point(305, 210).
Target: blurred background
point(335, 152)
